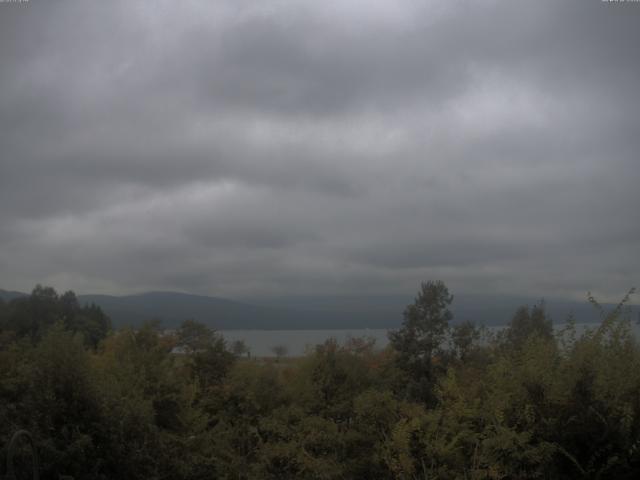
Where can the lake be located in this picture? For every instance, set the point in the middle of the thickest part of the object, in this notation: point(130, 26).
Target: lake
point(260, 342)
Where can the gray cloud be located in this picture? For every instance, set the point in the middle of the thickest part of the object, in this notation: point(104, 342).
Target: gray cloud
point(240, 148)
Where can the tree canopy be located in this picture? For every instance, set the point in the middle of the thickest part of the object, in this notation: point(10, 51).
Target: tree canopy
point(531, 403)
point(419, 341)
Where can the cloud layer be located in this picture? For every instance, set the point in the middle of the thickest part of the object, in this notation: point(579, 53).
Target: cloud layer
point(242, 148)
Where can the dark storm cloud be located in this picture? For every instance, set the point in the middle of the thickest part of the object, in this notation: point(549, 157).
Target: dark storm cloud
point(239, 147)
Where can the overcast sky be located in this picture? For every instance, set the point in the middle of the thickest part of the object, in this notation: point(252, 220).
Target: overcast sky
point(239, 148)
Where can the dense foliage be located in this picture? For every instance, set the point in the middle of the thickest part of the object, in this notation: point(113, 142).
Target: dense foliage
point(441, 402)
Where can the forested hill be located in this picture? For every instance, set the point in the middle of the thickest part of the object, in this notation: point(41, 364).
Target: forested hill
point(7, 295)
point(222, 314)
point(311, 312)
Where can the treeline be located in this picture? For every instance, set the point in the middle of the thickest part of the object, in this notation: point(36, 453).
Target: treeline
point(442, 401)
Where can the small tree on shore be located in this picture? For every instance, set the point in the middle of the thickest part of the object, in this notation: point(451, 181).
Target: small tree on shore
point(239, 348)
point(280, 351)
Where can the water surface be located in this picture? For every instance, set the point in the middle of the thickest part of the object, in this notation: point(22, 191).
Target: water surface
point(297, 342)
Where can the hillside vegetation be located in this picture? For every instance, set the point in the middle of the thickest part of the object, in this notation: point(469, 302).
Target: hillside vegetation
point(441, 401)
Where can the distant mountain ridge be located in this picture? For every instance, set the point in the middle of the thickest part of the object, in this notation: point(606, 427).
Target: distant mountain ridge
point(172, 308)
point(8, 295)
point(317, 312)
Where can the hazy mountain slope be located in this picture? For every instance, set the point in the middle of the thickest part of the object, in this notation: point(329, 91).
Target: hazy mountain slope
point(171, 308)
point(8, 295)
point(329, 312)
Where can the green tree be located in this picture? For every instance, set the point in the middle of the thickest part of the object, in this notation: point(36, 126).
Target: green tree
point(418, 344)
point(62, 408)
point(463, 338)
point(527, 322)
point(207, 355)
point(32, 316)
point(194, 336)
